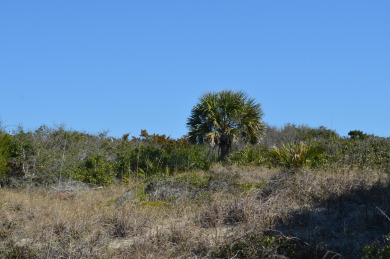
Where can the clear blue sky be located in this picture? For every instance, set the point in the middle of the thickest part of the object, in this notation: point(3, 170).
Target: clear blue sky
point(124, 66)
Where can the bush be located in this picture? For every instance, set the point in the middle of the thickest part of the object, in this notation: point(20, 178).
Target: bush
point(158, 155)
point(5, 156)
point(96, 170)
point(293, 133)
point(357, 134)
point(250, 155)
point(41, 156)
point(264, 246)
point(371, 152)
point(18, 252)
point(293, 155)
point(378, 250)
point(23, 155)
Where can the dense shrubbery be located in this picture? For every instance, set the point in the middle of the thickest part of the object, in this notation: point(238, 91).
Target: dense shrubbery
point(378, 250)
point(49, 155)
point(158, 154)
point(258, 155)
point(95, 170)
point(294, 146)
point(5, 155)
point(296, 155)
point(265, 246)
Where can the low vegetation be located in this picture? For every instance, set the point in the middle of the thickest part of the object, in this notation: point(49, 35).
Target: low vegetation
point(299, 193)
point(51, 155)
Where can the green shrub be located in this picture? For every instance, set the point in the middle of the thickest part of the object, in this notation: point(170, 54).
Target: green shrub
point(23, 155)
point(294, 133)
point(158, 155)
point(43, 155)
point(250, 155)
point(15, 251)
point(371, 152)
point(378, 250)
point(357, 134)
point(264, 246)
point(95, 170)
point(251, 186)
point(5, 156)
point(294, 155)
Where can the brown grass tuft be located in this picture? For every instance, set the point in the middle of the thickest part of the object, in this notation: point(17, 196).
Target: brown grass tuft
point(336, 210)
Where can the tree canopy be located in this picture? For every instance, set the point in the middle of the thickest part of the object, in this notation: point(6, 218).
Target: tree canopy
point(224, 117)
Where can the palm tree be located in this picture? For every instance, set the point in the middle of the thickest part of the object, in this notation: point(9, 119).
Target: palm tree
point(224, 117)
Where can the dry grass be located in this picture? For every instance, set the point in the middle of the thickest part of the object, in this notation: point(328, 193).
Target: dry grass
point(332, 210)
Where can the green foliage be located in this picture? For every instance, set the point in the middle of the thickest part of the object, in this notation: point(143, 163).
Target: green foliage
point(23, 154)
point(251, 186)
point(6, 146)
point(250, 155)
point(371, 152)
point(158, 155)
point(43, 155)
point(264, 246)
point(224, 117)
point(291, 133)
point(15, 251)
point(96, 170)
point(378, 250)
point(357, 134)
point(297, 155)
point(155, 204)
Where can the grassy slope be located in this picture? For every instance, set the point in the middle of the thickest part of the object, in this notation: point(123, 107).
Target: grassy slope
point(196, 213)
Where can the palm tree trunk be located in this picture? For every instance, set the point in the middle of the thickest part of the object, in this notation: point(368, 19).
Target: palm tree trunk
point(225, 149)
point(224, 146)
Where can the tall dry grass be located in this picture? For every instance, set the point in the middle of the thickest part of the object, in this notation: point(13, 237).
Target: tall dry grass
point(334, 210)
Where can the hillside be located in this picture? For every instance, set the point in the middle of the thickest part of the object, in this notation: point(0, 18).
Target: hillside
point(68, 194)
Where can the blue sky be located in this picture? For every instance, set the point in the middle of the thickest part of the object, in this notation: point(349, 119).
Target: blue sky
point(124, 66)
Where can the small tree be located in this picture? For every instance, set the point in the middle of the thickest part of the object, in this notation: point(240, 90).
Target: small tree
point(5, 155)
point(224, 117)
point(357, 134)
